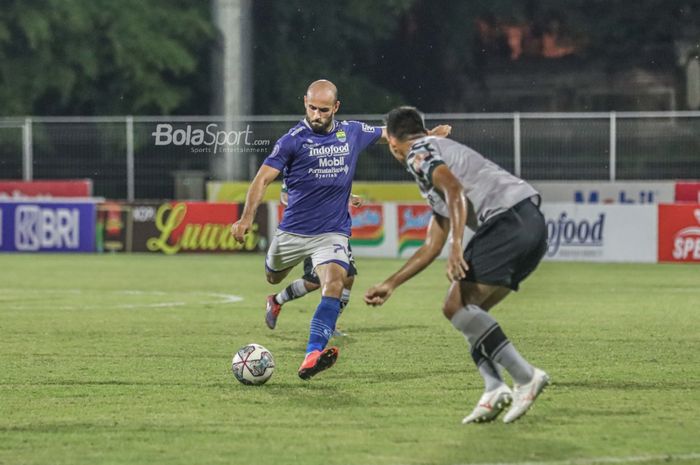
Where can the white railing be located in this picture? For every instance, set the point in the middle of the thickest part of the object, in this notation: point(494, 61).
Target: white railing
point(121, 155)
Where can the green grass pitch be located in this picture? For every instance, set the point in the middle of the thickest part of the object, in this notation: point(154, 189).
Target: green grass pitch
point(119, 359)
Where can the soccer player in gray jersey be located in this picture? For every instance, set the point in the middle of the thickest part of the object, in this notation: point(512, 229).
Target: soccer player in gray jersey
point(508, 244)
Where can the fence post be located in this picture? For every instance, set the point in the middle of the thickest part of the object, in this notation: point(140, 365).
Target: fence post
point(516, 144)
point(130, 158)
point(27, 153)
point(613, 145)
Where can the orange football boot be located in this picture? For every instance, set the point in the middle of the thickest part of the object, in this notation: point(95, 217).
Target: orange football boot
point(317, 361)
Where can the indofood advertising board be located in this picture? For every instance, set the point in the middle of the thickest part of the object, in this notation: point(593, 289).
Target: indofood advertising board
point(601, 233)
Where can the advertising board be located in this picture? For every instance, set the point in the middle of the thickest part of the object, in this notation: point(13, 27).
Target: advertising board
point(47, 226)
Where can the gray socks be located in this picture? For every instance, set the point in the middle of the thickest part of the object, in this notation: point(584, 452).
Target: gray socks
point(491, 374)
point(295, 290)
point(490, 346)
point(344, 299)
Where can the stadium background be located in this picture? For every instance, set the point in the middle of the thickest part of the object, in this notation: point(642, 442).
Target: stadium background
point(107, 111)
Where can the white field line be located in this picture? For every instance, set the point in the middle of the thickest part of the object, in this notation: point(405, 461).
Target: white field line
point(207, 298)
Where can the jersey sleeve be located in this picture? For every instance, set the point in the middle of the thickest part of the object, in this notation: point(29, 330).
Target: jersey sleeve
point(366, 134)
point(281, 153)
point(422, 161)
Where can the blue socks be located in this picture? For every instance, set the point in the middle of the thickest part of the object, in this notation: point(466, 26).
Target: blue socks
point(323, 323)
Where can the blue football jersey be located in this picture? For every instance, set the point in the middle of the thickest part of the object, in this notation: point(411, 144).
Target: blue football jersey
point(318, 171)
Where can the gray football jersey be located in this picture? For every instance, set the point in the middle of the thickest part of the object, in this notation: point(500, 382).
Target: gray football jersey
point(489, 188)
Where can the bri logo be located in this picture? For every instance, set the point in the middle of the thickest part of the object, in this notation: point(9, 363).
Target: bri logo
point(49, 228)
point(565, 232)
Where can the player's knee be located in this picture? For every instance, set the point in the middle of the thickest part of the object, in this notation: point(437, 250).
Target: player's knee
point(453, 301)
point(449, 308)
point(333, 288)
point(273, 278)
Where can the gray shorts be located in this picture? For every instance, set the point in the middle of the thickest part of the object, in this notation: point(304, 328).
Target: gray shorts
point(508, 247)
point(287, 250)
point(311, 276)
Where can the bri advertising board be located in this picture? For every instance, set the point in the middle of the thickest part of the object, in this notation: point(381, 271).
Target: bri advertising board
point(601, 233)
point(47, 226)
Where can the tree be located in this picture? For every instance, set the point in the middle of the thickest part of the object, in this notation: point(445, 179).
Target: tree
point(68, 57)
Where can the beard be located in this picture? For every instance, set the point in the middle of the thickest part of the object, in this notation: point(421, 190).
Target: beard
point(319, 127)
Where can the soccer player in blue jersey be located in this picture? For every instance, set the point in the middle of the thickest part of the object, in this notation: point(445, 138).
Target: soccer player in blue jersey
point(309, 282)
point(317, 157)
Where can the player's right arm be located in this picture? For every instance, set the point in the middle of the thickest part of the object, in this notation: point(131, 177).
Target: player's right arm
point(256, 192)
point(272, 166)
point(438, 230)
point(453, 192)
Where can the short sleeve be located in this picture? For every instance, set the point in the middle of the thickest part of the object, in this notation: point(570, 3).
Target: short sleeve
point(281, 153)
point(366, 134)
point(422, 161)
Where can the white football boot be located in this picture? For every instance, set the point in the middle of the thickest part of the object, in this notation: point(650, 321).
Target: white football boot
point(490, 405)
point(524, 395)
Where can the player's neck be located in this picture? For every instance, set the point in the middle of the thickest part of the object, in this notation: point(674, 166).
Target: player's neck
point(327, 130)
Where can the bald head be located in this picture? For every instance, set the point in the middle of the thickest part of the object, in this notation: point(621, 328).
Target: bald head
point(321, 102)
point(323, 90)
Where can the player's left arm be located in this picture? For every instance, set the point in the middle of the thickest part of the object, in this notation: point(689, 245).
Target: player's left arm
point(442, 130)
point(453, 191)
point(256, 191)
point(356, 201)
point(435, 239)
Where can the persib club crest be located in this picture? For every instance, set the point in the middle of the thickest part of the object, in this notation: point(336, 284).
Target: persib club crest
point(341, 135)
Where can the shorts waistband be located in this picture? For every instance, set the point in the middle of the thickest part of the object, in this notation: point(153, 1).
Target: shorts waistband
point(536, 200)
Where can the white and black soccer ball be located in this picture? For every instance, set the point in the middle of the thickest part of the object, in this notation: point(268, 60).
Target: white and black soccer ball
point(253, 365)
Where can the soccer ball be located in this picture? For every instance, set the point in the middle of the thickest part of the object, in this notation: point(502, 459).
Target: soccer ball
point(253, 365)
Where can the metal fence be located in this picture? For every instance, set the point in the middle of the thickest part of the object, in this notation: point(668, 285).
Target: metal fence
point(146, 157)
